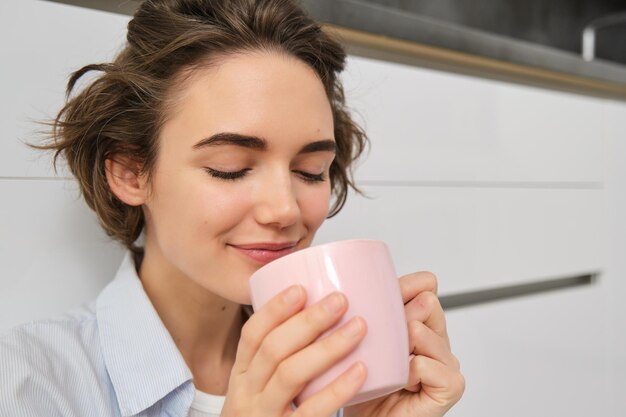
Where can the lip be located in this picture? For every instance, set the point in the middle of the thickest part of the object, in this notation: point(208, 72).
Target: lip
point(265, 252)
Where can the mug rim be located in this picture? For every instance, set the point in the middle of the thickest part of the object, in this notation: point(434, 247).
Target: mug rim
point(319, 247)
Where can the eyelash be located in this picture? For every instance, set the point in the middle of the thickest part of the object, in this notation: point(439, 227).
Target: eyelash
point(227, 175)
point(235, 175)
point(308, 177)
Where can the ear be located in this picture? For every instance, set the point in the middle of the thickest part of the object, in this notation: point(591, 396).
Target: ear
point(126, 180)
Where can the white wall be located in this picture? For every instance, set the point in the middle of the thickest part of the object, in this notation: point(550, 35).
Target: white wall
point(485, 183)
point(53, 255)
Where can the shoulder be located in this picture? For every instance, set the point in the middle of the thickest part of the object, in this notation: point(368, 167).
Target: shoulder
point(43, 339)
point(48, 361)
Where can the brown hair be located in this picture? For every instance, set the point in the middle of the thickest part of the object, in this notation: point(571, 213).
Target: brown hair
point(122, 110)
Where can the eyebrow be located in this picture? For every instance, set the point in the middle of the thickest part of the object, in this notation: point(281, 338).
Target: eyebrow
point(257, 143)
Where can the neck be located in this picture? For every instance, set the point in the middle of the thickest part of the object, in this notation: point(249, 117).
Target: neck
point(204, 326)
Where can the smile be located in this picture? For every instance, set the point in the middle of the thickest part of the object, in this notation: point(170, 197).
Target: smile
point(264, 253)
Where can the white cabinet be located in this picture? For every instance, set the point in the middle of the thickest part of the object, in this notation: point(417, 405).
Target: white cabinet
point(479, 238)
point(429, 126)
point(541, 356)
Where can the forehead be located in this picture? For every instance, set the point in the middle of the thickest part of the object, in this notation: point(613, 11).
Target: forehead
point(267, 94)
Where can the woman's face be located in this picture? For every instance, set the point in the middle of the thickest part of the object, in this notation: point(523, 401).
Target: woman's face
point(242, 171)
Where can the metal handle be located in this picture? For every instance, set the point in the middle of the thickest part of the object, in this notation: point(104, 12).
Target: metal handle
point(589, 33)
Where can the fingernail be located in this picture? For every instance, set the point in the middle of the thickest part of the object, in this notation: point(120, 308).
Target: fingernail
point(356, 372)
point(292, 295)
point(353, 328)
point(333, 303)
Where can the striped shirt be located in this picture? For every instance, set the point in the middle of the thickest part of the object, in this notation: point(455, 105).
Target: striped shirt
point(113, 357)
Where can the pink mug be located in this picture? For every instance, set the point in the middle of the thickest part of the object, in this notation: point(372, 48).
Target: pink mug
point(363, 270)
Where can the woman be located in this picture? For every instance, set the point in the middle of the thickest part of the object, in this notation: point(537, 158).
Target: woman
point(219, 132)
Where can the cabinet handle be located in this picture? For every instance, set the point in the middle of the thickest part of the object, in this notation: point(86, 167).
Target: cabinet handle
point(470, 298)
point(589, 33)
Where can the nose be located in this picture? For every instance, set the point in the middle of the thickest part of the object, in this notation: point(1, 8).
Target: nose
point(277, 202)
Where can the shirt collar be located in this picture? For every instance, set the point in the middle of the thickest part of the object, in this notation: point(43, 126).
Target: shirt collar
point(141, 358)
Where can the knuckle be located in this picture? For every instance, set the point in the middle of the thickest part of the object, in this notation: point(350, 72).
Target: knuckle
point(431, 279)
point(269, 351)
point(417, 330)
point(458, 385)
point(417, 364)
point(284, 376)
point(429, 300)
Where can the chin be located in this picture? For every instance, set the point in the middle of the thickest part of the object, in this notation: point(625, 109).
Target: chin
point(243, 299)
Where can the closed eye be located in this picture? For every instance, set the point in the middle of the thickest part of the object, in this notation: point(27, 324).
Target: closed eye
point(235, 175)
point(307, 176)
point(227, 175)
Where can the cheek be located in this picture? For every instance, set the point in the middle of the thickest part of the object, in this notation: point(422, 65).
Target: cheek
point(314, 206)
point(173, 208)
point(221, 208)
point(189, 209)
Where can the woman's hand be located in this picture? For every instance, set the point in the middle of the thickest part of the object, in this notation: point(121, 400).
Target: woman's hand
point(435, 381)
point(278, 355)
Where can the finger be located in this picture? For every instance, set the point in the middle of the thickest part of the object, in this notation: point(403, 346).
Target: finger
point(441, 386)
point(293, 335)
point(335, 395)
point(425, 307)
point(295, 372)
point(417, 282)
point(261, 323)
point(424, 341)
